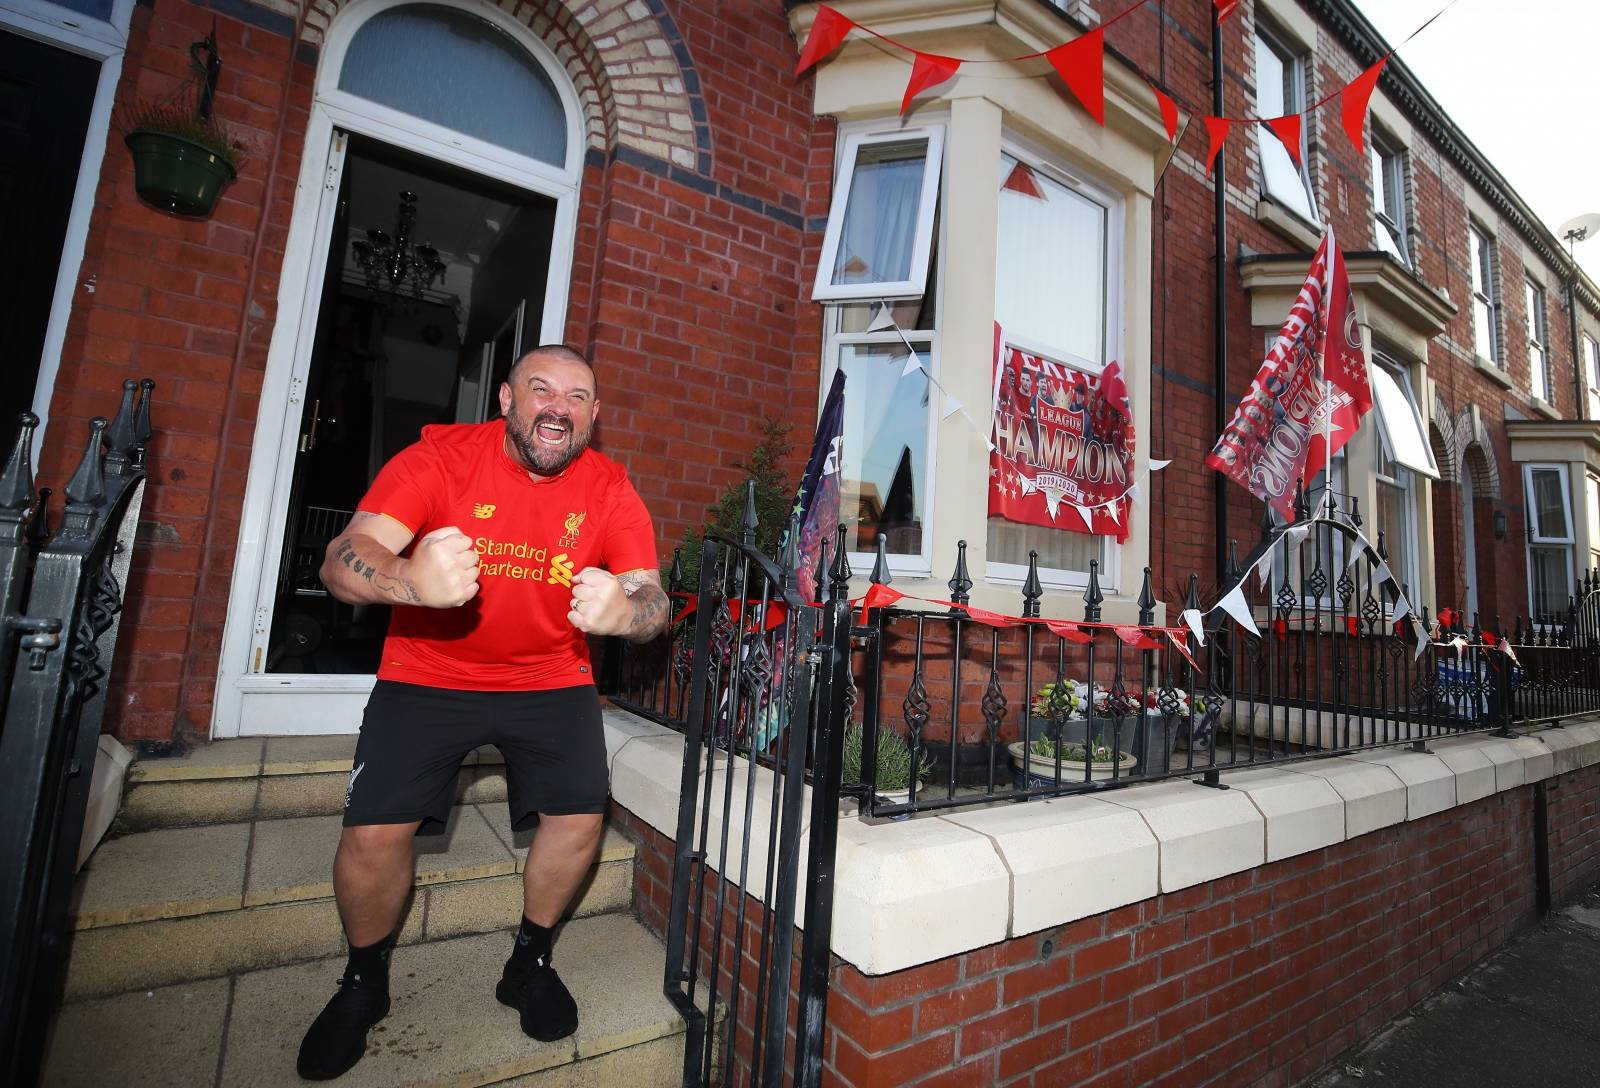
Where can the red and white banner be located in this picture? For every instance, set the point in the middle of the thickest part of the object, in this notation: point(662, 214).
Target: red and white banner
point(1063, 445)
point(1308, 398)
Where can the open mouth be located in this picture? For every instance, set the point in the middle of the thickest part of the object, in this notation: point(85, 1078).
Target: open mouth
point(552, 432)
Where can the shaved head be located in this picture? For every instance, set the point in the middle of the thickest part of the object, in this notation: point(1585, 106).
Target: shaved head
point(550, 351)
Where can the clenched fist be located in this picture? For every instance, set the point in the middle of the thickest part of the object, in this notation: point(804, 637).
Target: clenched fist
point(599, 604)
point(443, 569)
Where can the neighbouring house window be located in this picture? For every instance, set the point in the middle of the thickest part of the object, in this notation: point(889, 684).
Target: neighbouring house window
point(1549, 540)
point(1591, 367)
point(1538, 352)
point(1396, 520)
point(1054, 292)
point(1484, 306)
point(1389, 198)
point(1281, 90)
point(880, 229)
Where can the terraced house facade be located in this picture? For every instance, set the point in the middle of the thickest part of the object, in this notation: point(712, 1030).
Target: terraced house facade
point(650, 182)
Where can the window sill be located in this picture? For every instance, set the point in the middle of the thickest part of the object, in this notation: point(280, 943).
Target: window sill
point(1290, 224)
point(1495, 373)
point(1544, 408)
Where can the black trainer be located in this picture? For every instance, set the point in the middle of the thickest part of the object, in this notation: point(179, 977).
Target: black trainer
point(337, 1038)
point(548, 1011)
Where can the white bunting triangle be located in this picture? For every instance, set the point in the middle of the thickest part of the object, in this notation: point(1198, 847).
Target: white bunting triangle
point(913, 365)
point(1422, 641)
point(993, 448)
point(1157, 466)
point(1236, 606)
point(1133, 494)
point(1384, 574)
point(1195, 622)
point(1296, 534)
point(1402, 609)
point(951, 406)
point(883, 319)
point(1086, 514)
point(1111, 511)
point(1264, 570)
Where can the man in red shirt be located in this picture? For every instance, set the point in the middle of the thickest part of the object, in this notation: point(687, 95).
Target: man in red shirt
point(501, 546)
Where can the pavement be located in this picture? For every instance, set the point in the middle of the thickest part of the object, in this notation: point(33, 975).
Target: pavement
point(1527, 1015)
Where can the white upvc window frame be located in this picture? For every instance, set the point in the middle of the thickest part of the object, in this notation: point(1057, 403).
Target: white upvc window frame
point(1538, 343)
point(850, 146)
point(1539, 539)
point(1391, 221)
point(1396, 372)
point(1404, 480)
point(1480, 253)
point(919, 564)
point(1267, 143)
point(1591, 370)
point(1112, 342)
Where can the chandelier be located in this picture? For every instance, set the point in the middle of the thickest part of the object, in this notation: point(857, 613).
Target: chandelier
point(394, 264)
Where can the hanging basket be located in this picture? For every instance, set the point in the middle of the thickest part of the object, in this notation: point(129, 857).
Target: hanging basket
point(177, 174)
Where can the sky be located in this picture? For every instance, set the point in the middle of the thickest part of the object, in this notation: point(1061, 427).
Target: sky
point(1522, 81)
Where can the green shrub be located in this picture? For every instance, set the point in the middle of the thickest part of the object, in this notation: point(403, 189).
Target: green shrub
point(894, 760)
point(172, 119)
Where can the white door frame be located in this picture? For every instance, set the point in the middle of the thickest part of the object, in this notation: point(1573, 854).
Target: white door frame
point(249, 700)
point(105, 42)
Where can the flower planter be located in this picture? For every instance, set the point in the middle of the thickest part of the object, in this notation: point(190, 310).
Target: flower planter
point(1041, 770)
point(175, 174)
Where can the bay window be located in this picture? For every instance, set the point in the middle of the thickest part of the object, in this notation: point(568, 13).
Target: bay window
point(1549, 540)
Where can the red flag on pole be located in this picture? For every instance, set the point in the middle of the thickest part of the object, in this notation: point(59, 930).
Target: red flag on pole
point(1353, 101)
point(929, 70)
point(1082, 64)
point(828, 30)
point(1309, 395)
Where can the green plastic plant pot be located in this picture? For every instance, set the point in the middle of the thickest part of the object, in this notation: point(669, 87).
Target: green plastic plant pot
point(175, 174)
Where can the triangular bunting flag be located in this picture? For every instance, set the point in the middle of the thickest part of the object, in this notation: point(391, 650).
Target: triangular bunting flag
point(1178, 644)
point(1082, 64)
point(1264, 570)
point(1422, 641)
point(1236, 606)
point(1086, 514)
point(1022, 180)
point(1225, 8)
point(1157, 466)
point(828, 30)
point(913, 365)
point(1133, 493)
point(929, 70)
point(951, 406)
point(1217, 129)
point(1383, 574)
point(1068, 630)
point(1169, 112)
point(1135, 638)
point(878, 596)
point(883, 319)
point(1111, 511)
point(1353, 102)
point(1402, 608)
point(1195, 621)
point(991, 619)
point(1287, 129)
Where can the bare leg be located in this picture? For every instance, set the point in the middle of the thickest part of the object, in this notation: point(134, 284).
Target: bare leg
point(372, 876)
point(563, 849)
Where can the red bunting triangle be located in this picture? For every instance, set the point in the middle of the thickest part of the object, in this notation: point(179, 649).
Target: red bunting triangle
point(1169, 111)
point(1350, 625)
point(1225, 8)
point(1069, 631)
point(1135, 638)
point(878, 596)
point(1353, 102)
point(929, 70)
point(1280, 627)
point(1287, 129)
point(1082, 64)
point(1217, 129)
point(827, 31)
point(991, 619)
point(1022, 180)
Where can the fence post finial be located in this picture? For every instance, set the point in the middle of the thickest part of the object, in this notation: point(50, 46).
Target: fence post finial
point(141, 419)
point(88, 484)
point(1092, 597)
point(789, 558)
point(1355, 511)
point(1147, 601)
point(120, 435)
point(16, 480)
point(1032, 588)
point(748, 523)
point(1301, 508)
point(675, 572)
point(819, 577)
point(960, 582)
point(840, 573)
point(1383, 547)
point(880, 566)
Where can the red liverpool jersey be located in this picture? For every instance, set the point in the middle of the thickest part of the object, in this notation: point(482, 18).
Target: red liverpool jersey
point(531, 537)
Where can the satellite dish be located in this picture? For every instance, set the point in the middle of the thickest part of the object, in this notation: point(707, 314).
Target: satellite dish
point(1580, 227)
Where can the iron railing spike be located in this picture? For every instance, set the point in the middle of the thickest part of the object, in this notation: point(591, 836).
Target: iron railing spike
point(840, 571)
point(675, 572)
point(1191, 601)
point(121, 437)
point(960, 582)
point(880, 565)
point(789, 558)
point(749, 523)
point(16, 480)
point(1147, 601)
point(141, 417)
point(1032, 588)
point(1383, 547)
point(1301, 509)
point(1092, 597)
point(87, 487)
point(1269, 521)
point(1355, 511)
point(820, 576)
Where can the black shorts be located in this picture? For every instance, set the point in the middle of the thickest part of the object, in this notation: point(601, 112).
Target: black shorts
point(413, 739)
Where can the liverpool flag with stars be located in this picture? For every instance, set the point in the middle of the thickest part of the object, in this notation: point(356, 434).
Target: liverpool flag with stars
point(818, 501)
point(1308, 398)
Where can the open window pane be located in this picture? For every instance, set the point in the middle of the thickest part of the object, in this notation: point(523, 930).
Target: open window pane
point(1388, 201)
point(1547, 504)
point(1401, 422)
point(880, 228)
point(1278, 92)
point(1050, 266)
point(886, 470)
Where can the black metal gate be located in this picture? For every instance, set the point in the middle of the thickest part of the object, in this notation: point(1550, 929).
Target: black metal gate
point(767, 707)
point(60, 597)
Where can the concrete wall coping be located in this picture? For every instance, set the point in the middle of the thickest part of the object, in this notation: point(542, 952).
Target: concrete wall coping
point(945, 883)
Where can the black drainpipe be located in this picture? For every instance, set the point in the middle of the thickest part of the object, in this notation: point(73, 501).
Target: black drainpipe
point(1220, 187)
point(1580, 407)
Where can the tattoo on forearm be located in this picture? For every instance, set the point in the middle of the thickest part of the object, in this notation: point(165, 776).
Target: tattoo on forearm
point(398, 589)
point(649, 611)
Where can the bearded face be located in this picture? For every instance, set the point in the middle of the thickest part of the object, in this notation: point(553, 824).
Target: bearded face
point(549, 407)
point(550, 441)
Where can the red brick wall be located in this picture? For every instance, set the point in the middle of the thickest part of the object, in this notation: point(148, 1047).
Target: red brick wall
point(1256, 979)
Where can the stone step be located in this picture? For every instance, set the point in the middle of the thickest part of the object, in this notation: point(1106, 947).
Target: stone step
point(178, 904)
point(444, 1028)
point(257, 778)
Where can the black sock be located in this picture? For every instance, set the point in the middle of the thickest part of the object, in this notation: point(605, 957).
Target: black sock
point(533, 943)
point(370, 965)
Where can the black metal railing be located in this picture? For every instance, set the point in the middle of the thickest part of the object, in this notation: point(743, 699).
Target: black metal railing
point(60, 597)
point(652, 679)
point(952, 706)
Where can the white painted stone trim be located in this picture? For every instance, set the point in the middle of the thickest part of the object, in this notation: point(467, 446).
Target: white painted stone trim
point(942, 884)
